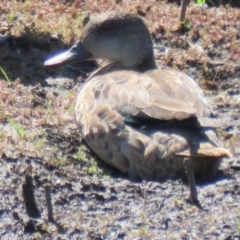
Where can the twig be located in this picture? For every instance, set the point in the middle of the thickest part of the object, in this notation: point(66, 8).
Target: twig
point(28, 195)
point(191, 180)
point(47, 189)
point(183, 10)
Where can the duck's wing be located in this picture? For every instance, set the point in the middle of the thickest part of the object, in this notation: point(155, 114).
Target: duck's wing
point(156, 94)
point(181, 92)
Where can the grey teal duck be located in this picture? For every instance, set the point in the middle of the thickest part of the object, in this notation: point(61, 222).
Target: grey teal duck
point(149, 122)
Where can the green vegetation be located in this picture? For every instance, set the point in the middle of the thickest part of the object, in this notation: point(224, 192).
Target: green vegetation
point(201, 2)
point(80, 154)
point(93, 170)
point(186, 24)
point(5, 75)
point(21, 132)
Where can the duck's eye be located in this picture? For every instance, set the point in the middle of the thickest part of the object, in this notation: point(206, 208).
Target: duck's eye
point(107, 27)
point(86, 20)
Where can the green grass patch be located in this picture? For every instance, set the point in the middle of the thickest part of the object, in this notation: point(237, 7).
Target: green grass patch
point(80, 154)
point(93, 170)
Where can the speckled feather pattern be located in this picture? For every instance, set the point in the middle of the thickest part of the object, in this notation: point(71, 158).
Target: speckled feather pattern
point(107, 98)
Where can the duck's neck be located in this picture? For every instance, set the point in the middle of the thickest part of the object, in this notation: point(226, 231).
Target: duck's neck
point(146, 64)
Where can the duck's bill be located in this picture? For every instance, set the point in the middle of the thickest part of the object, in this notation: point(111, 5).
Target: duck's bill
point(77, 51)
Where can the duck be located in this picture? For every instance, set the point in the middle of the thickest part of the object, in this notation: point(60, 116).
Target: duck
point(150, 122)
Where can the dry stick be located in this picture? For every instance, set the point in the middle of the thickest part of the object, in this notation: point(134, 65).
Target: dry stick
point(29, 199)
point(183, 10)
point(188, 162)
point(191, 179)
point(47, 189)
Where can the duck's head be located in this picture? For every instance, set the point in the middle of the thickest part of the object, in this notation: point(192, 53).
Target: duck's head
point(121, 38)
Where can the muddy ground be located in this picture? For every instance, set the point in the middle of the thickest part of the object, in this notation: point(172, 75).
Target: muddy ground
point(40, 145)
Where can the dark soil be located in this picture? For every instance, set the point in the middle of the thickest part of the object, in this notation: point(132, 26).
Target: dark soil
point(41, 147)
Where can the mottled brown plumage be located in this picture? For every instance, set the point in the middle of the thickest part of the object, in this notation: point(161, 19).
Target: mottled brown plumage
point(142, 120)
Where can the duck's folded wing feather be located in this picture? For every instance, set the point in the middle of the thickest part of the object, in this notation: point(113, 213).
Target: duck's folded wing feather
point(159, 94)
